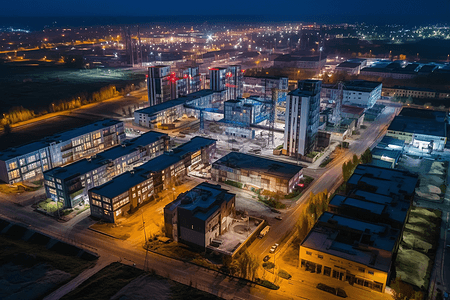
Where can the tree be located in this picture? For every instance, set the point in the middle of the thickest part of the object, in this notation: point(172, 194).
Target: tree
point(366, 157)
point(355, 162)
point(404, 291)
point(7, 129)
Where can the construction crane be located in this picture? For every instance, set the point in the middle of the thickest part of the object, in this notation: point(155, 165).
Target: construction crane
point(273, 114)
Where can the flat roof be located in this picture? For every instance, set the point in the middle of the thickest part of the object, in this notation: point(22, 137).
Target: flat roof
point(361, 85)
point(350, 109)
point(390, 153)
point(62, 136)
point(238, 160)
point(121, 184)
point(388, 140)
point(203, 200)
point(386, 181)
point(170, 158)
point(418, 126)
point(381, 163)
point(86, 165)
point(266, 77)
point(353, 240)
point(172, 103)
point(411, 88)
point(347, 64)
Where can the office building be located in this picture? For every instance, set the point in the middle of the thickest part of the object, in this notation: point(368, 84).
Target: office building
point(29, 161)
point(200, 215)
point(302, 118)
point(217, 79)
point(255, 172)
point(423, 129)
point(160, 87)
point(351, 250)
point(123, 193)
point(189, 81)
point(130, 190)
point(70, 184)
point(234, 84)
point(355, 92)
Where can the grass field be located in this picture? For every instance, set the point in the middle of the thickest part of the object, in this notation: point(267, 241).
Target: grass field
point(16, 188)
point(50, 206)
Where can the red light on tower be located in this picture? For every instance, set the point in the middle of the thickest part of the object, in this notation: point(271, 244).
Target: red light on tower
point(243, 71)
point(146, 75)
point(229, 74)
point(185, 76)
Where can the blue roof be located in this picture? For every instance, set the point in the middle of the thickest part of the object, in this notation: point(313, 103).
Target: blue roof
point(62, 136)
point(86, 165)
point(382, 163)
point(121, 183)
point(172, 103)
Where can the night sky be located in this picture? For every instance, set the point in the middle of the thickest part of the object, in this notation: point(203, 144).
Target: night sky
point(419, 8)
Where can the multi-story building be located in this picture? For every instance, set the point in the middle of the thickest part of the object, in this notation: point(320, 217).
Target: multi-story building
point(422, 128)
point(189, 81)
point(70, 184)
point(217, 79)
point(407, 91)
point(356, 92)
point(351, 250)
point(167, 112)
point(31, 160)
point(200, 215)
point(263, 86)
point(234, 81)
point(302, 118)
point(178, 162)
point(257, 172)
point(160, 87)
point(313, 63)
point(125, 192)
point(238, 112)
point(129, 190)
point(351, 66)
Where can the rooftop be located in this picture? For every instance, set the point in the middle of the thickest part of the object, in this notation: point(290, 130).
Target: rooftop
point(411, 88)
point(86, 165)
point(418, 126)
point(388, 141)
point(353, 240)
point(172, 103)
point(288, 57)
point(203, 200)
point(62, 136)
point(121, 183)
point(347, 64)
point(387, 153)
point(361, 85)
point(355, 110)
point(383, 180)
point(238, 160)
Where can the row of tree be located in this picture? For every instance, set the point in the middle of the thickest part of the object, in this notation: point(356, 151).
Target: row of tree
point(349, 167)
point(20, 114)
point(245, 265)
point(317, 204)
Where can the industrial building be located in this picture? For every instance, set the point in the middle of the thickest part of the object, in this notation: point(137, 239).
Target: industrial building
point(351, 66)
point(421, 128)
point(31, 160)
point(130, 190)
point(302, 118)
point(383, 181)
point(385, 157)
point(168, 112)
point(263, 86)
point(200, 215)
point(313, 63)
point(70, 184)
point(351, 250)
point(257, 172)
point(355, 92)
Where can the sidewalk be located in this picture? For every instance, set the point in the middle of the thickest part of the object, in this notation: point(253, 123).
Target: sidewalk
point(102, 262)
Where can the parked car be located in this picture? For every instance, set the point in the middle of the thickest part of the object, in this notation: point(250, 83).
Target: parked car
point(335, 291)
point(266, 258)
point(272, 250)
point(279, 218)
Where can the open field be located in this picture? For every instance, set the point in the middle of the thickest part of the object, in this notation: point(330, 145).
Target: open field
point(30, 271)
point(118, 281)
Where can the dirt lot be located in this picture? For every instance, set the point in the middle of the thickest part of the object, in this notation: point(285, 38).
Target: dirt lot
point(431, 174)
point(417, 249)
point(30, 271)
point(118, 281)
